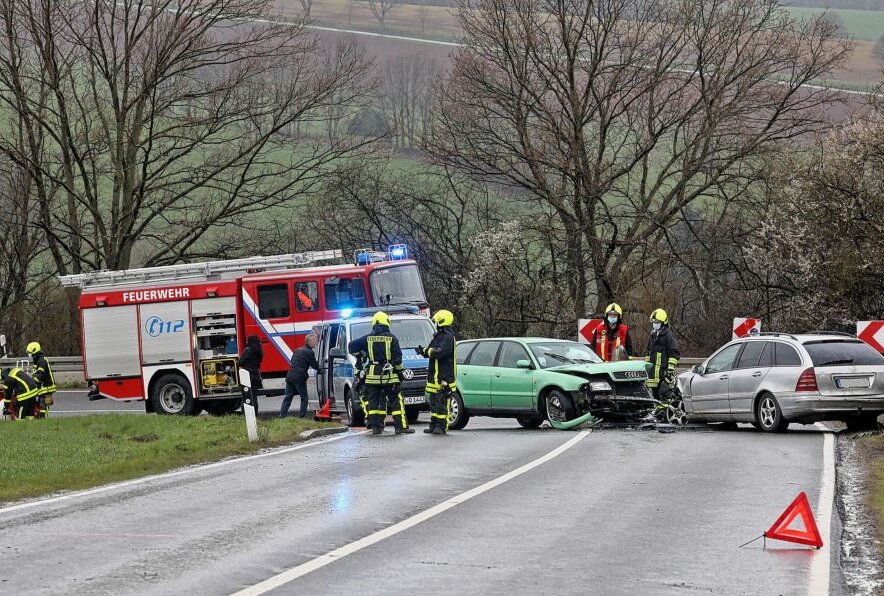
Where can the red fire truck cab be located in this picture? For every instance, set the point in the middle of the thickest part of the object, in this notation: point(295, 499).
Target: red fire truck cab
point(172, 335)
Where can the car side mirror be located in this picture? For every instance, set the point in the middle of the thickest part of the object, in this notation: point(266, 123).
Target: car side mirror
point(337, 354)
point(698, 369)
point(523, 364)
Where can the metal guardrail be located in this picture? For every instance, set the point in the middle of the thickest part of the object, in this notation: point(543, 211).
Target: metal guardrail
point(74, 364)
point(59, 363)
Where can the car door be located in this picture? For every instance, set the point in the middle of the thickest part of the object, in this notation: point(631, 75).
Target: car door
point(512, 388)
point(752, 366)
point(474, 375)
point(709, 391)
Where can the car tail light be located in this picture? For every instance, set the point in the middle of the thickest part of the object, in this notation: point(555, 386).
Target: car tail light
point(807, 381)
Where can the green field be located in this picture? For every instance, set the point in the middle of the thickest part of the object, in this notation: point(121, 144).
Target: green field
point(46, 456)
point(867, 25)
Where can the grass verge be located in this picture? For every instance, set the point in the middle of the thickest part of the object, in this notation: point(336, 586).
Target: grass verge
point(872, 452)
point(45, 456)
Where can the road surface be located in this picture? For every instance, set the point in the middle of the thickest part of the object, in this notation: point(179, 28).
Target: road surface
point(611, 511)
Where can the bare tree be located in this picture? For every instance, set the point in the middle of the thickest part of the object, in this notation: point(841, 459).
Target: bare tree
point(617, 115)
point(148, 124)
point(307, 5)
point(407, 97)
point(423, 14)
point(878, 50)
point(380, 9)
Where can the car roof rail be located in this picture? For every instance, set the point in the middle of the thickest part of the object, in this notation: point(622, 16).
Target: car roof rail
point(839, 333)
point(777, 334)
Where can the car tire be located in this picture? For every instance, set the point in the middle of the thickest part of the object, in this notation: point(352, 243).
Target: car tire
point(355, 415)
point(172, 395)
point(530, 421)
point(768, 414)
point(459, 416)
point(412, 413)
point(558, 406)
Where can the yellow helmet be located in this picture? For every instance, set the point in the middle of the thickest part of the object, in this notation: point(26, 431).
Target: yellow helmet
point(33, 348)
point(660, 315)
point(614, 307)
point(443, 318)
point(380, 318)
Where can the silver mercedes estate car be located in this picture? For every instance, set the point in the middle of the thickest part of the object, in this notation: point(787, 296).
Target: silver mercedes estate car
point(773, 379)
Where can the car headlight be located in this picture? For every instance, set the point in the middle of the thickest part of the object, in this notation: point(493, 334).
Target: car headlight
point(600, 387)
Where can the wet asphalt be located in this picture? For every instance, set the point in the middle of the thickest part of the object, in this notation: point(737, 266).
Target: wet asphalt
point(620, 512)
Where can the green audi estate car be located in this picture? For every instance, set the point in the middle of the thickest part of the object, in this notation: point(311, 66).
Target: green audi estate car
point(535, 379)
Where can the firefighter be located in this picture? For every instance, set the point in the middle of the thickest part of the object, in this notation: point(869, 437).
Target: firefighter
point(442, 372)
point(611, 334)
point(663, 355)
point(384, 374)
point(22, 389)
point(44, 377)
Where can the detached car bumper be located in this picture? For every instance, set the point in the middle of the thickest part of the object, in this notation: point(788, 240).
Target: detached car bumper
point(812, 407)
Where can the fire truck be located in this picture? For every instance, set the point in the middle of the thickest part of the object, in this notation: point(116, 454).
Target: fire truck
point(171, 335)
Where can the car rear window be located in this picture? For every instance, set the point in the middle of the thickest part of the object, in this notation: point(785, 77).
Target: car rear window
point(842, 353)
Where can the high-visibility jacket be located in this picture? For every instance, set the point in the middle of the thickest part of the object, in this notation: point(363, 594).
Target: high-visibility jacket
point(605, 341)
point(43, 374)
point(381, 350)
point(20, 385)
point(663, 354)
point(442, 353)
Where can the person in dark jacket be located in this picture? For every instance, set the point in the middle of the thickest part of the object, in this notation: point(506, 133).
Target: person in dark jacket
point(663, 355)
point(251, 360)
point(22, 389)
point(383, 355)
point(442, 372)
point(296, 379)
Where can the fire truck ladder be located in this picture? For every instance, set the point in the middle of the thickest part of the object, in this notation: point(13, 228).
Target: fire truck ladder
point(195, 270)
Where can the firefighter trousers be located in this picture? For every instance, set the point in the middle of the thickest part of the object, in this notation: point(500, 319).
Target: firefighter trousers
point(440, 409)
point(381, 399)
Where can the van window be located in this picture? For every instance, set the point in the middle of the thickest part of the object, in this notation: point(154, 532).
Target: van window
point(306, 296)
point(343, 293)
point(273, 301)
point(843, 353)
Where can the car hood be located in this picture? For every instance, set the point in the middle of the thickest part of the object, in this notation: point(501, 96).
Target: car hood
point(633, 370)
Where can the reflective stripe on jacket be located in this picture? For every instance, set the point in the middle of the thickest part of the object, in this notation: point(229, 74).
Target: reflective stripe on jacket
point(383, 354)
point(663, 354)
point(605, 343)
point(43, 374)
point(20, 385)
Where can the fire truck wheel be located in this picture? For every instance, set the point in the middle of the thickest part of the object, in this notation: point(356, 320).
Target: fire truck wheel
point(172, 395)
point(354, 411)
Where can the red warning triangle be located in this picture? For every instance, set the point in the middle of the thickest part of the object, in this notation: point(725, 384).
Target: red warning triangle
point(780, 529)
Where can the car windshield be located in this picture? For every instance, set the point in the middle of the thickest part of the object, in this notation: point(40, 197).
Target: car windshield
point(397, 285)
point(551, 354)
point(841, 353)
point(411, 332)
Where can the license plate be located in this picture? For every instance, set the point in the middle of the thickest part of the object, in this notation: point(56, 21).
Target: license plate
point(410, 401)
point(853, 382)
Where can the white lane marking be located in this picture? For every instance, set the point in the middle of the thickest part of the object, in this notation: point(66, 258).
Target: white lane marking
point(820, 566)
point(165, 475)
point(348, 549)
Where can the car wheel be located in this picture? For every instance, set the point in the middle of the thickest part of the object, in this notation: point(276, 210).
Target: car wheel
point(412, 413)
point(675, 413)
point(354, 411)
point(559, 407)
point(172, 395)
point(458, 417)
point(769, 416)
point(529, 421)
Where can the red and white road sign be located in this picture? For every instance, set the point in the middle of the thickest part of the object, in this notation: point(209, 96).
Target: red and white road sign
point(744, 327)
point(585, 327)
point(871, 332)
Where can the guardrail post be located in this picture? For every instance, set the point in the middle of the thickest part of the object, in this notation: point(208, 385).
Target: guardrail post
point(248, 405)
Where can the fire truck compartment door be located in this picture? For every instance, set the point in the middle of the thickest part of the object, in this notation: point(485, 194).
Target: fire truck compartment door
point(165, 333)
point(111, 338)
point(213, 306)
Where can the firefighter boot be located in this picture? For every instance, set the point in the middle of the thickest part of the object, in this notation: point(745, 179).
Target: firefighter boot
point(439, 430)
point(429, 429)
point(404, 431)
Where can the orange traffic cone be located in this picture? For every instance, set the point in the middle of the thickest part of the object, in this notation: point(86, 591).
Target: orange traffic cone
point(324, 414)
